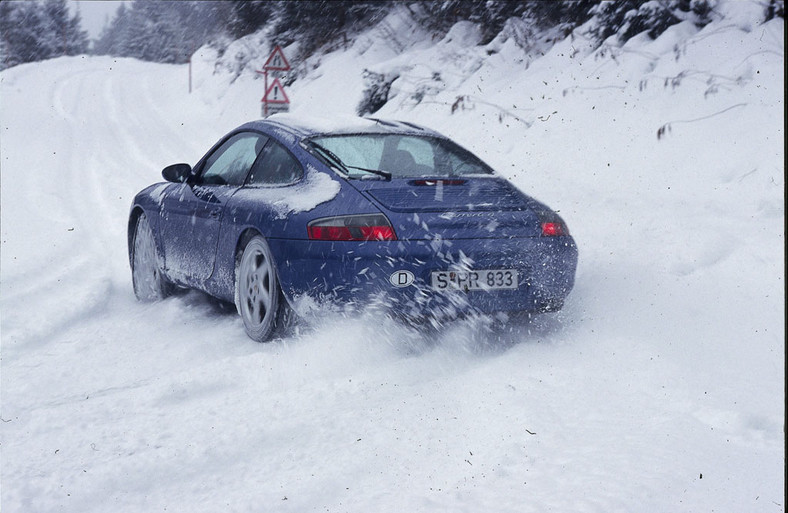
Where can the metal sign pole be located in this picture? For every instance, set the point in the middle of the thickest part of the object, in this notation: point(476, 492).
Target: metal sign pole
point(191, 54)
point(265, 100)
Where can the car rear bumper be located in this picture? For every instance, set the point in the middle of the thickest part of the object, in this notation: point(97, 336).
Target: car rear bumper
point(353, 274)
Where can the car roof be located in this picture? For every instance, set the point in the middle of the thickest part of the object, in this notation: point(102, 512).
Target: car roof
point(303, 126)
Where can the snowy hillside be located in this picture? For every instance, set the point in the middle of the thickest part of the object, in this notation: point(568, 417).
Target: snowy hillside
point(659, 387)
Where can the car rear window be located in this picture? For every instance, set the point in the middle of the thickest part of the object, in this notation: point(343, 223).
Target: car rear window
point(402, 155)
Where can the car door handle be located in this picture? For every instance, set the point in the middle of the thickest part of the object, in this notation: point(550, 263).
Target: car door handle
point(215, 214)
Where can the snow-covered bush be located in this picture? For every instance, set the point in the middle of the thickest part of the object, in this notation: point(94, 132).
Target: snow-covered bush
point(250, 51)
point(775, 9)
point(626, 19)
point(376, 91)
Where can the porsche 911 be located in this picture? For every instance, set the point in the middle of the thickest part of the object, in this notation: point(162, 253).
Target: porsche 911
point(348, 213)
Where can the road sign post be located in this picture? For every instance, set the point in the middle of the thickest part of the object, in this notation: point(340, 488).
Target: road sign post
point(275, 99)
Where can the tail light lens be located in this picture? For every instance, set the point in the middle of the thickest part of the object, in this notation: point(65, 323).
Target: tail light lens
point(553, 229)
point(361, 227)
point(552, 225)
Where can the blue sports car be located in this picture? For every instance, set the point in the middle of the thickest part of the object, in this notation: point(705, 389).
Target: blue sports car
point(352, 213)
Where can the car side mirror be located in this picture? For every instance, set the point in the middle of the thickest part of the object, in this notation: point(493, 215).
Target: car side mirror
point(177, 173)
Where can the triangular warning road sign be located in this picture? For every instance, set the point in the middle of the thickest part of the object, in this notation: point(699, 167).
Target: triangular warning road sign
point(276, 61)
point(275, 93)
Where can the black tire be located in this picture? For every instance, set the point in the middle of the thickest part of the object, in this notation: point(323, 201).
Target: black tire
point(258, 296)
point(146, 276)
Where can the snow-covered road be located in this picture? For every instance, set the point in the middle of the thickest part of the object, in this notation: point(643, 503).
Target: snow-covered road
point(660, 387)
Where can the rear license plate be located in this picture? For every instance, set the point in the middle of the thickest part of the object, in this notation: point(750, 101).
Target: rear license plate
point(474, 280)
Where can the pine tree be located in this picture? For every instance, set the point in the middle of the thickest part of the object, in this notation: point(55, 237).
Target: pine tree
point(77, 42)
point(8, 51)
point(246, 17)
point(55, 34)
point(112, 40)
point(158, 30)
point(24, 25)
point(315, 23)
point(33, 31)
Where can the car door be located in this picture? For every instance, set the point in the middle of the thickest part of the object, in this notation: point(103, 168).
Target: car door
point(192, 212)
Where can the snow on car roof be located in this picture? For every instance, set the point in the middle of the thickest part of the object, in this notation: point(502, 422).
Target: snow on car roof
point(305, 126)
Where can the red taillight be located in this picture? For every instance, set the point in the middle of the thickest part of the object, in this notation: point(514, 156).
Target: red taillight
point(362, 227)
point(378, 233)
point(552, 224)
point(553, 229)
point(329, 233)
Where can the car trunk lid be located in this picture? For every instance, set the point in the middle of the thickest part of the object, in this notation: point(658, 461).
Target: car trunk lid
point(486, 207)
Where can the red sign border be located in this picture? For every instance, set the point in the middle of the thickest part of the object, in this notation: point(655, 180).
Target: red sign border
point(268, 67)
point(281, 87)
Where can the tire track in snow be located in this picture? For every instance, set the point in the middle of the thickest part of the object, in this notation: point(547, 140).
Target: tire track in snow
point(132, 153)
point(101, 186)
point(74, 284)
point(71, 163)
point(114, 128)
point(36, 215)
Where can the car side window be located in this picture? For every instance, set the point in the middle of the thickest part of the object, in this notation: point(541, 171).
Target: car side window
point(276, 166)
point(230, 163)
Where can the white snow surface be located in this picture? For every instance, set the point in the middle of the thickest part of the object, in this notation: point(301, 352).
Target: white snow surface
point(659, 387)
